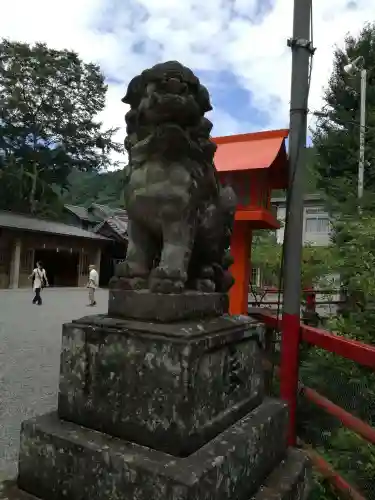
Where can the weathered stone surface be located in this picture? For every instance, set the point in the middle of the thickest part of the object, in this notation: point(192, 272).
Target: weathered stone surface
point(291, 480)
point(148, 306)
point(62, 460)
point(180, 217)
point(171, 387)
point(10, 491)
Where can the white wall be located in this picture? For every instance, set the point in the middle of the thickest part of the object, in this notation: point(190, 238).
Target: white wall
point(316, 227)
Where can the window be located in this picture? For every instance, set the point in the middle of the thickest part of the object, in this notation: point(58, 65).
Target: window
point(318, 224)
point(317, 221)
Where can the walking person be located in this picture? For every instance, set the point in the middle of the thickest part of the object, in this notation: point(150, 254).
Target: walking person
point(92, 285)
point(39, 280)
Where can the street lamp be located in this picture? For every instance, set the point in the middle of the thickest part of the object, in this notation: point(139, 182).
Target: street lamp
point(353, 68)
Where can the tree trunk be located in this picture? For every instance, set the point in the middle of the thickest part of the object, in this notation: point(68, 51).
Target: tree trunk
point(32, 200)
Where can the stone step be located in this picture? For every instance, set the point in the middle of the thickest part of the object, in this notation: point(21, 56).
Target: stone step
point(289, 481)
point(62, 460)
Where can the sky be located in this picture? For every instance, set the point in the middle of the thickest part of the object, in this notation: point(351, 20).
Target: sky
point(236, 47)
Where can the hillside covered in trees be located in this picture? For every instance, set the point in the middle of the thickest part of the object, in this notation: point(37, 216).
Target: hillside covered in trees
point(105, 188)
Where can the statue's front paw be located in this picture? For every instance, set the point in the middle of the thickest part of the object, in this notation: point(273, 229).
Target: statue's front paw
point(163, 280)
point(124, 283)
point(131, 270)
point(158, 285)
point(204, 285)
point(207, 273)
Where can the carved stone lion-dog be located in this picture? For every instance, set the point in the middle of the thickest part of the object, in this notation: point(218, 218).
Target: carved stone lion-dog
point(180, 217)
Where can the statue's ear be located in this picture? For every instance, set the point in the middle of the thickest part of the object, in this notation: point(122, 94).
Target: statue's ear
point(134, 92)
point(203, 99)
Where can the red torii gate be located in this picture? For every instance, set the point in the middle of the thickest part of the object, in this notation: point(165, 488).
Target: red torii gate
point(254, 164)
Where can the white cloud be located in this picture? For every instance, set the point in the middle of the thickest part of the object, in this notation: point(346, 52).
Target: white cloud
point(203, 35)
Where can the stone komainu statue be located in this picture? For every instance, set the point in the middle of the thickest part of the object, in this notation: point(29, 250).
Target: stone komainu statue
point(180, 218)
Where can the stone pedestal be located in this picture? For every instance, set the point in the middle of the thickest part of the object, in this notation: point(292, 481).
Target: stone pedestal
point(172, 387)
point(145, 306)
point(153, 410)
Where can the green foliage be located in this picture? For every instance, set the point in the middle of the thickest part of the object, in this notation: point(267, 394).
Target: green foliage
point(310, 178)
point(49, 102)
point(106, 188)
point(336, 138)
point(321, 490)
point(316, 261)
point(344, 382)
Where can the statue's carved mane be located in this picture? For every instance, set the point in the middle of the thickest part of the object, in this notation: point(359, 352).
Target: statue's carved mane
point(199, 146)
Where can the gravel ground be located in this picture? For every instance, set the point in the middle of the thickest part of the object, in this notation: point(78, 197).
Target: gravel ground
point(30, 338)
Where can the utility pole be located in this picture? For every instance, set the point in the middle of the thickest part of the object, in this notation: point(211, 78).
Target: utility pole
point(354, 67)
point(302, 51)
point(362, 132)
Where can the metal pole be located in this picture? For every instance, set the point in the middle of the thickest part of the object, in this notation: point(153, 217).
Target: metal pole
point(362, 132)
point(301, 53)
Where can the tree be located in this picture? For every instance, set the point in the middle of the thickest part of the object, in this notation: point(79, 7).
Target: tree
point(345, 383)
point(336, 142)
point(317, 261)
point(106, 188)
point(336, 137)
point(49, 104)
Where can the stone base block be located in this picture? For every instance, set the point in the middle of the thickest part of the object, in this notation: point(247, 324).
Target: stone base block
point(10, 491)
point(147, 306)
point(291, 480)
point(61, 460)
point(171, 387)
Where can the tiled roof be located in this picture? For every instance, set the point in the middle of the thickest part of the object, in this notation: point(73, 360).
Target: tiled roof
point(116, 218)
point(82, 213)
point(12, 220)
point(118, 224)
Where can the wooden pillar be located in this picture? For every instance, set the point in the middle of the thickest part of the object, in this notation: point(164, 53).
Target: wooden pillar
point(82, 268)
point(15, 264)
point(241, 252)
point(98, 258)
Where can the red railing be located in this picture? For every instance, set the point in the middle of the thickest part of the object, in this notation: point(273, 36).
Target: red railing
point(290, 386)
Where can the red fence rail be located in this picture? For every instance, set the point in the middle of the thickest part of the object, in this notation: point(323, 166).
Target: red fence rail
point(290, 386)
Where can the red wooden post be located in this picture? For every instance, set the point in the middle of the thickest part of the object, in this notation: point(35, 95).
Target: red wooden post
point(290, 339)
point(241, 251)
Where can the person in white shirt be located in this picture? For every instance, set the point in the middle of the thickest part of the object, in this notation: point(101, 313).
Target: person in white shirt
point(39, 279)
point(92, 284)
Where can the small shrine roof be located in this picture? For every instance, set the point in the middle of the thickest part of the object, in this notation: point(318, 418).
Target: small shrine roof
point(254, 151)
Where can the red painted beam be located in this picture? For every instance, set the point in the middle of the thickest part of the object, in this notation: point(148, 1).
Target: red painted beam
point(347, 419)
point(327, 471)
point(359, 352)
